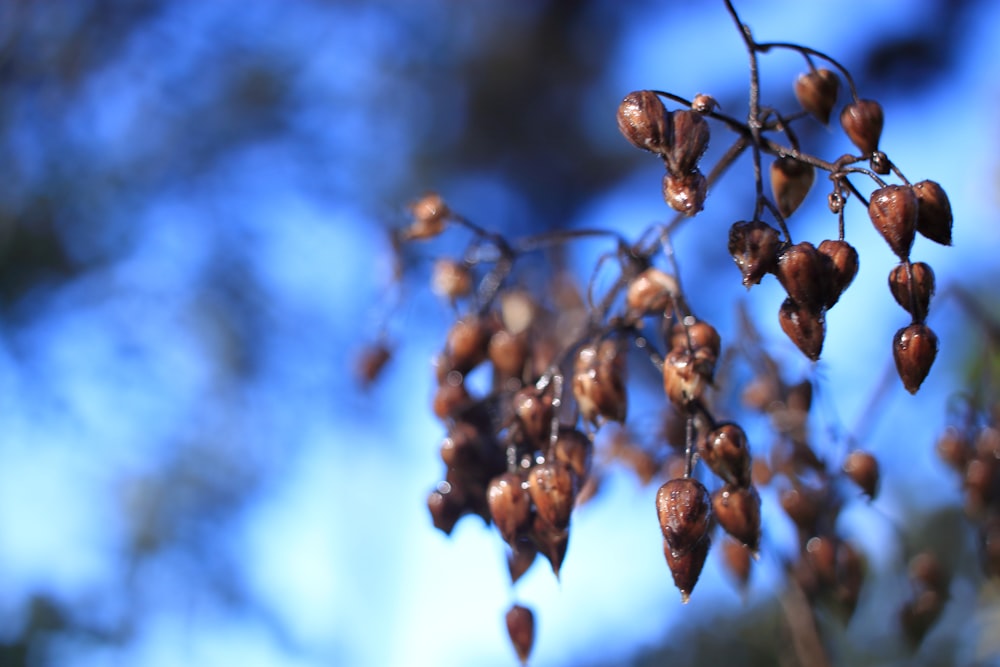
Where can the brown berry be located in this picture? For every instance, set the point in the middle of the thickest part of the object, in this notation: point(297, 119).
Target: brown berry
point(805, 328)
point(914, 349)
point(644, 121)
point(651, 293)
point(686, 567)
point(862, 468)
point(754, 246)
point(521, 628)
point(724, 449)
point(737, 510)
point(684, 510)
point(921, 277)
point(893, 211)
point(510, 505)
point(842, 268)
point(816, 91)
point(467, 343)
point(934, 219)
point(802, 506)
point(552, 487)
point(791, 180)
point(690, 135)
point(804, 273)
point(682, 382)
point(685, 193)
point(862, 121)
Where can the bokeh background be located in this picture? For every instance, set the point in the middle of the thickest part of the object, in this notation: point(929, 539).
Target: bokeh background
point(195, 205)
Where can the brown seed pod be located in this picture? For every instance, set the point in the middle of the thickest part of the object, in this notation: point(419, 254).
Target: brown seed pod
point(816, 91)
point(862, 121)
point(508, 353)
point(684, 510)
point(754, 246)
point(954, 449)
point(802, 506)
point(552, 487)
point(737, 510)
point(862, 468)
point(934, 218)
point(805, 328)
point(686, 192)
point(446, 508)
point(521, 629)
point(533, 410)
point(690, 134)
point(686, 567)
point(651, 293)
point(696, 335)
point(371, 360)
point(463, 446)
point(704, 104)
point(821, 554)
point(842, 268)
point(682, 382)
point(450, 279)
point(644, 121)
point(510, 505)
point(451, 399)
point(893, 211)
point(520, 557)
point(430, 214)
point(576, 450)
point(725, 450)
point(804, 273)
point(599, 382)
point(791, 180)
point(737, 560)
point(467, 343)
point(914, 349)
point(552, 542)
point(915, 302)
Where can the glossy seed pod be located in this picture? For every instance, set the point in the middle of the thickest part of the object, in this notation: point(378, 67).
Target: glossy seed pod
point(533, 411)
point(599, 382)
point(842, 268)
point(690, 134)
point(862, 468)
point(737, 509)
point(862, 122)
point(684, 509)
point(725, 451)
point(805, 275)
point(686, 192)
point(686, 567)
point(576, 450)
point(552, 487)
point(893, 210)
point(934, 219)
point(914, 349)
point(805, 328)
point(651, 293)
point(644, 121)
point(510, 505)
point(791, 180)
point(816, 91)
point(754, 246)
point(429, 216)
point(521, 630)
point(682, 381)
point(915, 301)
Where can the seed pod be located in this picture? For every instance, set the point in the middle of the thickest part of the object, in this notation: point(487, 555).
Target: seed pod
point(521, 628)
point(791, 180)
point(697, 335)
point(575, 449)
point(684, 509)
point(685, 193)
point(510, 505)
point(651, 293)
point(461, 448)
point(553, 490)
point(552, 542)
point(934, 218)
point(682, 382)
point(704, 104)
point(802, 506)
point(533, 410)
point(862, 121)
point(371, 361)
point(508, 353)
point(863, 470)
point(914, 349)
point(804, 274)
point(954, 449)
point(738, 511)
point(842, 268)
point(599, 383)
point(805, 328)
point(754, 246)
point(918, 301)
point(690, 134)
point(880, 163)
point(724, 449)
point(816, 91)
point(430, 214)
point(520, 557)
point(451, 399)
point(644, 121)
point(451, 279)
point(467, 343)
point(446, 508)
point(737, 560)
point(893, 211)
point(686, 567)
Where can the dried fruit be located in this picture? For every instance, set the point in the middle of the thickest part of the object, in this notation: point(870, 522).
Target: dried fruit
point(508, 353)
point(682, 381)
point(862, 121)
point(467, 343)
point(862, 468)
point(804, 273)
point(934, 218)
point(805, 328)
point(575, 449)
point(816, 91)
point(893, 211)
point(791, 180)
point(754, 246)
point(842, 268)
point(651, 293)
point(686, 567)
point(430, 214)
point(684, 509)
point(915, 301)
point(451, 279)
point(685, 193)
point(553, 490)
point(737, 510)
point(520, 557)
point(510, 505)
point(690, 139)
point(724, 449)
point(533, 410)
point(599, 382)
point(521, 629)
point(737, 560)
point(644, 121)
point(914, 349)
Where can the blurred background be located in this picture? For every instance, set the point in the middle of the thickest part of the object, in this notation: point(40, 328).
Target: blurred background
point(195, 206)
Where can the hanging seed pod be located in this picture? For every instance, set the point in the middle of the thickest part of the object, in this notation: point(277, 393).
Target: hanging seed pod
point(696, 335)
point(682, 382)
point(804, 274)
point(725, 451)
point(553, 490)
point(737, 510)
point(816, 91)
point(430, 214)
point(521, 628)
point(737, 560)
point(805, 328)
point(510, 505)
point(791, 180)
point(862, 121)
point(651, 293)
point(467, 343)
point(862, 468)
point(842, 268)
point(371, 360)
point(552, 542)
point(954, 449)
point(576, 450)
point(821, 554)
point(463, 446)
point(686, 567)
point(451, 399)
point(917, 302)
point(934, 218)
point(754, 246)
point(599, 382)
point(914, 349)
point(533, 410)
point(450, 279)
point(446, 508)
point(684, 509)
point(686, 192)
point(508, 353)
point(644, 121)
point(690, 134)
point(893, 211)
point(520, 557)
point(704, 104)
point(802, 506)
